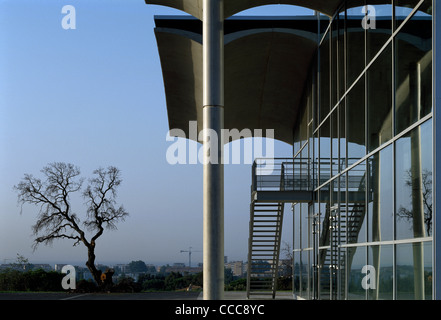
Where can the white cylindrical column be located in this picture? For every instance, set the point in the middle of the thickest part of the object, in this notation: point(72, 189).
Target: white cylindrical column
point(213, 117)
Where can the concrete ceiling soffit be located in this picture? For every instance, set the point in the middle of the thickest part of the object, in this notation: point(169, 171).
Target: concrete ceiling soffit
point(265, 73)
point(231, 7)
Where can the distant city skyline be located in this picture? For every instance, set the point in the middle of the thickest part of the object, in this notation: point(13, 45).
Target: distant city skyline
point(94, 97)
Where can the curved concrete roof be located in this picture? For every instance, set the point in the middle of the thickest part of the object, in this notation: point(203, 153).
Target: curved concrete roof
point(231, 7)
point(265, 74)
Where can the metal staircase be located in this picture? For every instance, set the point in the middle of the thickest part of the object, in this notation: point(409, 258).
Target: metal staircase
point(341, 225)
point(279, 181)
point(263, 255)
point(273, 186)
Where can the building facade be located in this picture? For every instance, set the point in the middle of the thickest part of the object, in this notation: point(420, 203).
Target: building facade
point(366, 133)
point(354, 90)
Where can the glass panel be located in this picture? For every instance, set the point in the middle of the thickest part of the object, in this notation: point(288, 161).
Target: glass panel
point(381, 259)
point(341, 55)
point(342, 275)
point(316, 162)
point(297, 227)
point(342, 132)
point(355, 42)
point(307, 274)
point(356, 262)
point(355, 122)
point(335, 143)
point(325, 151)
point(297, 273)
point(323, 243)
point(343, 208)
point(414, 271)
point(342, 227)
point(378, 25)
point(325, 78)
point(379, 108)
point(355, 208)
point(305, 225)
point(324, 216)
point(413, 88)
point(334, 63)
point(324, 275)
point(414, 183)
point(324, 23)
point(380, 192)
point(403, 8)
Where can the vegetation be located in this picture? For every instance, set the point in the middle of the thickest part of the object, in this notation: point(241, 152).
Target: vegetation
point(57, 220)
point(40, 280)
point(34, 280)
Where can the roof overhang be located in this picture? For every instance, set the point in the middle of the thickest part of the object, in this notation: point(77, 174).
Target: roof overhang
point(266, 67)
point(231, 7)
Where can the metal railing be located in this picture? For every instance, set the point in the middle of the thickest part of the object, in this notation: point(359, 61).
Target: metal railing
point(281, 174)
point(299, 174)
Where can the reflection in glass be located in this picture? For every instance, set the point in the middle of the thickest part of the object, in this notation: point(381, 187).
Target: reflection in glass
point(297, 227)
point(325, 151)
point(356, 262)
point(335, 145)
point(355, 40)
point(296, 272)
point(381, 195)
point(413, 88)
point(379, 108)
point(381, 258)
point(379, 26)
point(342, 133)
point(355, 209)
point(355, 122)
point(403, 8)
point(334, 63)
point(414, 271)
point(413, 171)
point(341, 55)
point(304, 272)
point(324, 275)
point(305, 225)
point(325, 94)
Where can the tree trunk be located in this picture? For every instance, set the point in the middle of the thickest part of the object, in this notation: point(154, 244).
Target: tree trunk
point(96, 274)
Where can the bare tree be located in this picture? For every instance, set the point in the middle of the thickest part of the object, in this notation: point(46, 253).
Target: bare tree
point(426, 198)
point(56, 218)
point(287, 261)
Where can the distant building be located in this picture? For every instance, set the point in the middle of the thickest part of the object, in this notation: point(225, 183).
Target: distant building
point(236, 267)
point(179, 265)
point(58, 267)
point(183, 270)
point(121, 268)
point(43, 266)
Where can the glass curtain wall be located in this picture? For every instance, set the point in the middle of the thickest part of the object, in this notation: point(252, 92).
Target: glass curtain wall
point(367, 132)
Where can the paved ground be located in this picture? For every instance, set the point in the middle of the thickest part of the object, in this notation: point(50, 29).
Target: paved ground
point(129, 296)
point(100, 296)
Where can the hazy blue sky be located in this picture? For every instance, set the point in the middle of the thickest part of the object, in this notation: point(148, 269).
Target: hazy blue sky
point(94, 97)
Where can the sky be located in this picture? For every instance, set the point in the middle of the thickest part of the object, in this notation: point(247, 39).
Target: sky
point(94, 97)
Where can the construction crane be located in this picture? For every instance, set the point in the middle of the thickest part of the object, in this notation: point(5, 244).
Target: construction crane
point(189, 255)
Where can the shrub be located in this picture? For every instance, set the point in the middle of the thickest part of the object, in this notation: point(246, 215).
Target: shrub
point(34, 280)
